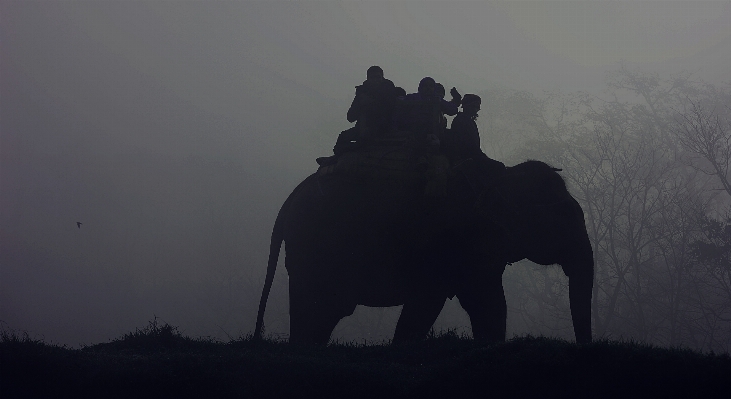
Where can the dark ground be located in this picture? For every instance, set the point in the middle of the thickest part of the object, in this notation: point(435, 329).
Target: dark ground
point(158, 362)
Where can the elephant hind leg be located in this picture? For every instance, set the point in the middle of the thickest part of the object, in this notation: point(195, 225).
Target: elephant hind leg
point(417, 317)
point(313, 315)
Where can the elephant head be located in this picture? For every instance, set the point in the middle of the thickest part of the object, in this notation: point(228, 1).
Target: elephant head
point(540, 221)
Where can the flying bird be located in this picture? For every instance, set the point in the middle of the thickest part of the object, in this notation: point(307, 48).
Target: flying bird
point(78, 224)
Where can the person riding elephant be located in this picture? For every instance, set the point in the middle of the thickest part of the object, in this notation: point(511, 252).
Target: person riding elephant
point(372, 107)
point(462, 144)
point(421, 112)
point(371, 110)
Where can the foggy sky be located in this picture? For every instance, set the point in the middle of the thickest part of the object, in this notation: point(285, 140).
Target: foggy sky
point(174, 131)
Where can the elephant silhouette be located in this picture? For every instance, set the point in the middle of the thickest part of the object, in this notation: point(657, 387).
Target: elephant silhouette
point(354, 240)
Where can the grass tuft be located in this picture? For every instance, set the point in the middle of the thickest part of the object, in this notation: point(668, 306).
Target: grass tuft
point(155, 336)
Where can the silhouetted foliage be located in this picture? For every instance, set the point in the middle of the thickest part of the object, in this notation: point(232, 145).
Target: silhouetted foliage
point(716, 247)
point(648, 162)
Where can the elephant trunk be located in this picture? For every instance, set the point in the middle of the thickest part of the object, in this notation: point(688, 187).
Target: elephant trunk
point(580, 290)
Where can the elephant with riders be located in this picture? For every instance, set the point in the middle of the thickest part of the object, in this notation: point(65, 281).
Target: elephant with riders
point(398, 219)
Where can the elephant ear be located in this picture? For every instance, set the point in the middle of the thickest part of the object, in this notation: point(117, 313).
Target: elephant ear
point(531, 186)
point(521, 196)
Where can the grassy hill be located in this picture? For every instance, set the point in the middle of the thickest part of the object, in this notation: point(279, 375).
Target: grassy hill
point(158, 362)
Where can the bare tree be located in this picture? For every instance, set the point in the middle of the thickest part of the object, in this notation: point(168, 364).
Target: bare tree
point(708, 324)
point(703, 127)
point(642, 205)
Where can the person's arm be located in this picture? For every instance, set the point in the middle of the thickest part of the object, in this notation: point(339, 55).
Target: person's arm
point(456, 97)
point(448, 108)
point(354, 110)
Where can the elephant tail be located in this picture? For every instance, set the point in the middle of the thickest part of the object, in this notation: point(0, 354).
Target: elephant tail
point(274, 248)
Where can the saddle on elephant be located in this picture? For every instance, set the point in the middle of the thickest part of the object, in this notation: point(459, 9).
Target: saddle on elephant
point(394, 158)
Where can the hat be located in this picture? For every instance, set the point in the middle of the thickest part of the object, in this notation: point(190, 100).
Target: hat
point(375, 70)
point(471, 99)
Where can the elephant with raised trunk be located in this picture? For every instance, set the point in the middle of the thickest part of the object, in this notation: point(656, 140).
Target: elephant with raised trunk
point(382, 242)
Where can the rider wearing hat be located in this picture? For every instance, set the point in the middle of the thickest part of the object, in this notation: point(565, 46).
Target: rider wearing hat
point(463, 141)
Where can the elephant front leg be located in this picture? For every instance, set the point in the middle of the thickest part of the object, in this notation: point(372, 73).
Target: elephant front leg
point(417, 317)
point(484, 302)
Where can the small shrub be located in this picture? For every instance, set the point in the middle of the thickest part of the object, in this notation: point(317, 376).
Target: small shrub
point(155, 336)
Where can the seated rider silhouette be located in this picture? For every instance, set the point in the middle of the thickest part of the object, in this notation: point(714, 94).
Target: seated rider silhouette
point(371, 110)
point(462, 143)
point(373, 104)
point(420, 113)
